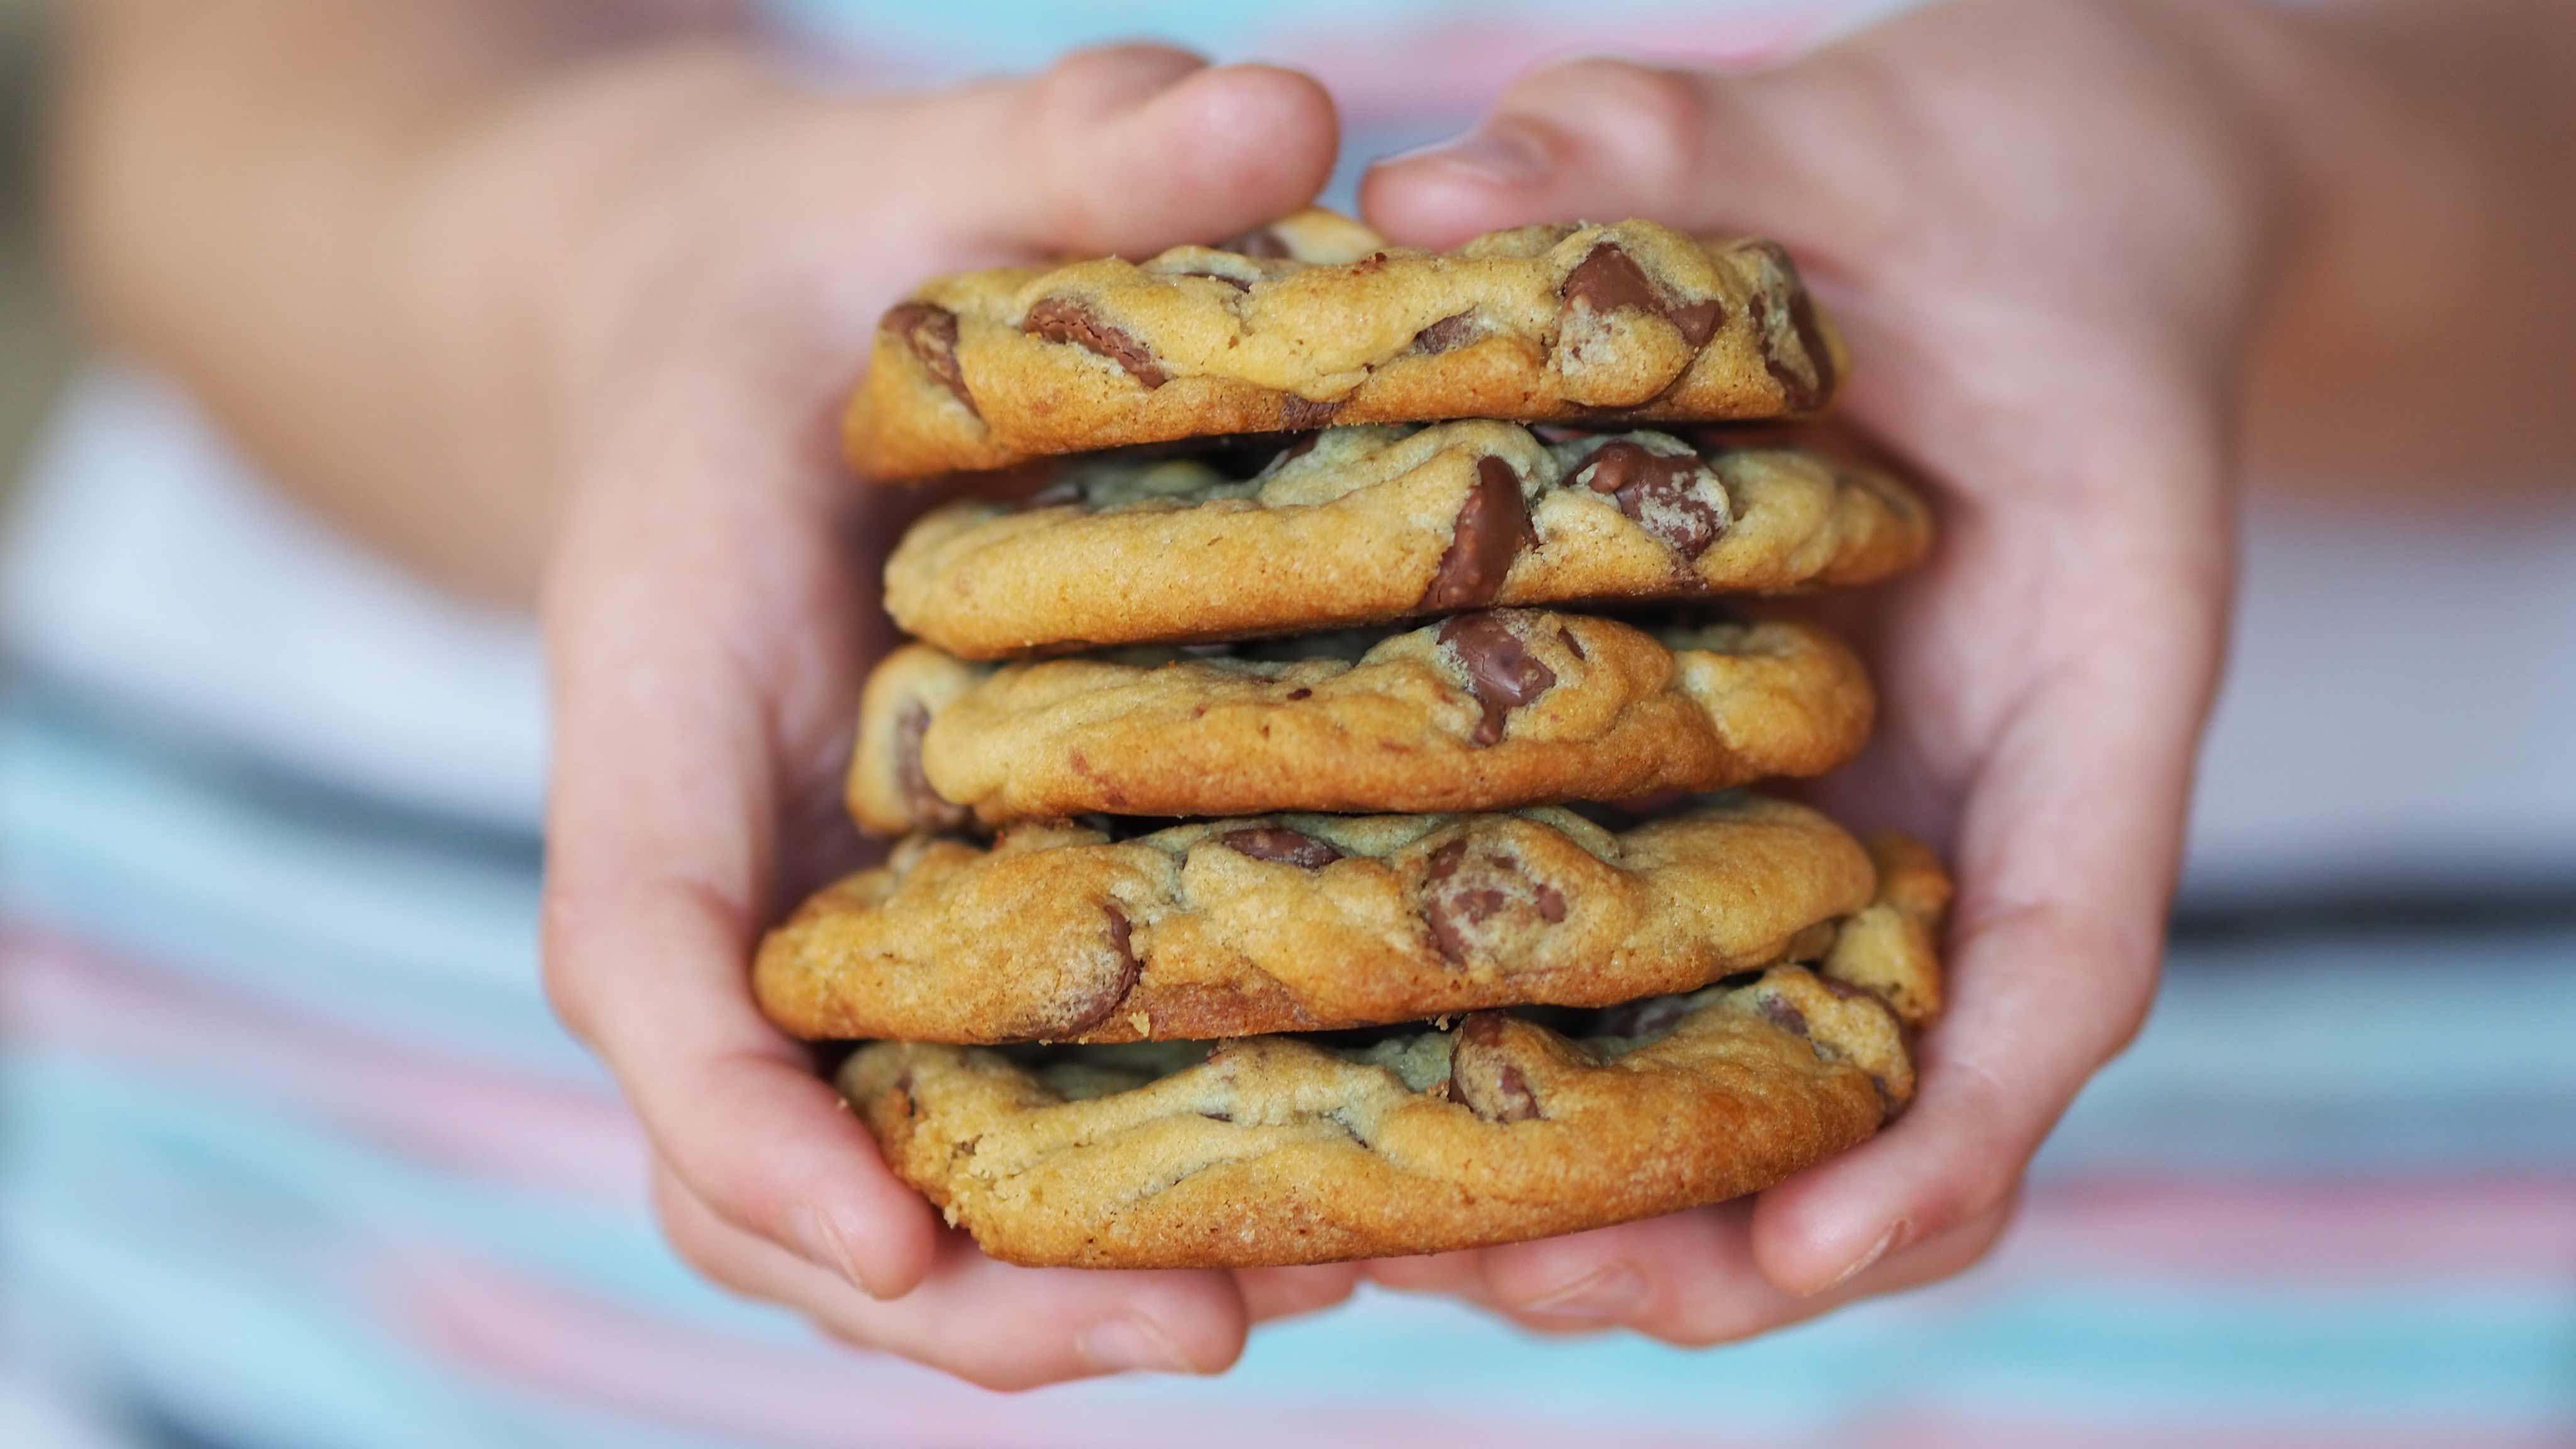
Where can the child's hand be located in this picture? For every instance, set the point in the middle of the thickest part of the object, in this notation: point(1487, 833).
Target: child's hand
point(712, 603)
point(2043, 227)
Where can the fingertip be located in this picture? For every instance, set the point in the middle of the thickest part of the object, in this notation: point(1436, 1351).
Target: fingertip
point(1273, 1293)
point(1222, 152)
point(1486, 179)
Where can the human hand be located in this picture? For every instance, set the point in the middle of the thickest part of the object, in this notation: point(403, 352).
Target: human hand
point(2044, 228)
point(711, 605)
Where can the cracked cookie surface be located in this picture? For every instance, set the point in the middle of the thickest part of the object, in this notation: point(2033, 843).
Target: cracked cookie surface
point(1370, 525)
point(1317, 319)
point(1483, 711)
point(1303, 922)
point(1287, 1149)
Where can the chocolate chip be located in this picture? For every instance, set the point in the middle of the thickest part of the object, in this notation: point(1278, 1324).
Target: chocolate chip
point(1301, 693)
point(1453, 331)
point(1484, 1080)
point(928, 808)
point(1086, 1000)
point(1783, 1013)
point(1297, 449)
point(1300, 413)
point(1653, 1016)
point(1659, 494)
point(1572, 645)
point(1805, 392)
point(1699, 321)
point(1063, 319)
point(1607, 280)
point(930, 330)
point(1261, 241)
point(1461, 891)
point(1492, 525)
point(1501, 672)
point(1281, 844)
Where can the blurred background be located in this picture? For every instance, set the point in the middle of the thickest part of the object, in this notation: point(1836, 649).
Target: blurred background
point(34, 352)
point(328, 1174)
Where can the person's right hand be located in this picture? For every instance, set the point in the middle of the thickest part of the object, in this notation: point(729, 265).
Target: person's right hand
point(711, 605)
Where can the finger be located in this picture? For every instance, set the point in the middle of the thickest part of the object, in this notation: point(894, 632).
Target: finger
point(1608, 138)
point(1272, 1293)
point(663, 828)
point(1126, 150)
point(1457, 1275)
point(987, 1322)
point(2077, 764)
point(1690, 1278)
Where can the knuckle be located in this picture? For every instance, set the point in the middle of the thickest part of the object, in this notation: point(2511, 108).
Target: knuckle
point(1652, 116)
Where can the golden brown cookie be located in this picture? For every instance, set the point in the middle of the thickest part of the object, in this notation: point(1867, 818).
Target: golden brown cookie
point(1366, 526)
point(1483, 711)
point(1303, 922)
point(1317, 319)
point(1284, 1149)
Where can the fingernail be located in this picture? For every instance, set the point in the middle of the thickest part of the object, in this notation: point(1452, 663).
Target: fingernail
point(1128, 1345)
point(1857, 1266)
point(1502, 153)
point(820, 1241)
point(1608, 1291)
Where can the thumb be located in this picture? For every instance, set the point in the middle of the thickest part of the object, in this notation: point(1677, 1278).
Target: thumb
point(1603, 139)
point(1130, 149)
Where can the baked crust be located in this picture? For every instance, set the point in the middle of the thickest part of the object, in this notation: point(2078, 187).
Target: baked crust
point(1334, 324)
point(1278, 1150)
point(1302, 923)
point(1367, 526)
point(1488, 711)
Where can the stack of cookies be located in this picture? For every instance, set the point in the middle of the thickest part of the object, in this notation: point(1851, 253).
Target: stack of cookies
point(1276, 881)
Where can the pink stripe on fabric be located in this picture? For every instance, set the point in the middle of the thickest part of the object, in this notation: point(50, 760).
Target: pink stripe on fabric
point(468, 1116)
point(2369, 1229)
point(488, 1320)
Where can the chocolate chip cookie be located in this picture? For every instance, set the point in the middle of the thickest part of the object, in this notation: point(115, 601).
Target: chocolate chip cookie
point(1060, 932)
point(1516, 1124)
point(1368, 525)
point(1486, 710)
point(1317, 319)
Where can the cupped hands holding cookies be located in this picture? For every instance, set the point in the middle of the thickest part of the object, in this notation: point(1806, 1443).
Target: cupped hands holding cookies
point(2063, 382)
point(2046, 233)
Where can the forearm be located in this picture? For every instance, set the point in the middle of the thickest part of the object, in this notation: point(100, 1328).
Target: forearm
point(292, 206)
point(2422, 330)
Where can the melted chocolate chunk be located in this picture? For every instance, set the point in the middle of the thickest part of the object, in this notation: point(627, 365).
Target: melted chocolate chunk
point(1699, 321)
point(1262, 241)
point(1653, 1016)
point(1607, 279)
point(1452, 331)
point(1492, 525)
point(1062, 319)
point(1784, 1014)
point(1281, 844)
point(1805, 393)
point(930, 331)
point(1501, 672)
point(1298, 414)
point(1461, 891)
point(928, 808)
point(1657, 492)
point(1484, 1080)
